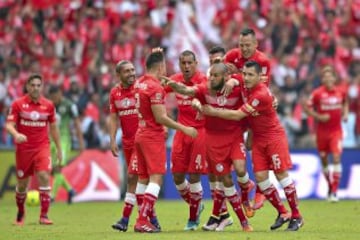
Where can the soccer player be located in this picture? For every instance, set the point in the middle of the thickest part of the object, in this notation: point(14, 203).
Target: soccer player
point(235, 59)
point(328, 105)
point(123, 110)
point(150, 136)
point(29, 121)
point(188, 154)
point(67, 113)
point(224, 141)
point(270, 150)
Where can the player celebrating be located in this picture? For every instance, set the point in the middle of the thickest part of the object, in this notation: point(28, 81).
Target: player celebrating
point(188, 154)
point(30, 119)
point(66, 112)
point(270, 150)
point(224, 140)
point(150, 136)
point(235, 59)
point(328, 105)
point(122, 108)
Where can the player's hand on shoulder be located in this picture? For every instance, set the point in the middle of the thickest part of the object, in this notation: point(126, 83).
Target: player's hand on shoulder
point(20, 138)
point(229, 86)
point(232, 68)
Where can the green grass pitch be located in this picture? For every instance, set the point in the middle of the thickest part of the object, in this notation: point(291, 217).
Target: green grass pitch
point(87, 221)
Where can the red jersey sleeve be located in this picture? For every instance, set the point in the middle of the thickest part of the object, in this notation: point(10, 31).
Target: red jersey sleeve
point(13, 112)
point(52, 113)
point(258, 102)
point(112, 102)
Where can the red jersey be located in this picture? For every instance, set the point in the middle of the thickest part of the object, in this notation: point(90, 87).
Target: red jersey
point(233, 101)
point(234, 56)
point(122, 102)
point(32, 119)
point(262, 117)
point(330, 102)
point(187, 114)
point(149, 92)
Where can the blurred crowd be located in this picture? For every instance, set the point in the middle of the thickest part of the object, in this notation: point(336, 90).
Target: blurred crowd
point(76, 43)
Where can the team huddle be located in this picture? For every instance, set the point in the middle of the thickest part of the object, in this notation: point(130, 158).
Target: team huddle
point(214, 112)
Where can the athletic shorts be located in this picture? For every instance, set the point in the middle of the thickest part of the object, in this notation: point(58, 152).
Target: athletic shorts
point(151, 155)
point(271, 155)
point(188, 154)
point(329, 143)
point(222, 149)
point(132, 161)
point(29, 162)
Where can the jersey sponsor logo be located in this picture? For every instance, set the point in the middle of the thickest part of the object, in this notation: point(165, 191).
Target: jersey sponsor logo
point(32, 123)
point(25, 105)
point(128, 112)
point(34, 115)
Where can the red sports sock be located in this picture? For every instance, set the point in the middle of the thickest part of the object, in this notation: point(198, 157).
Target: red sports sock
point(218, 201)
point(147, 207)
point(127, 209)
point(139, 199)
point(45, 203)
point(272, 195)
point(235, 202)
point(336, 176)
point(291, 196)
point(245, 188)
point(185, 194)
point(20, 201)
point(195, 200)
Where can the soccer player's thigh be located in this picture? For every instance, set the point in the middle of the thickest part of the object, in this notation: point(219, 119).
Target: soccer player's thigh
point(238, 152)
point(180, 153)
point(335, 144)
point(154, 153)
point(142, 167)
point(24, 164)
point(198, 163)
point(278, 152)
point(128, 154)
point(218, 148)
point(42, 160)
point(259, 158)
point(322, 144)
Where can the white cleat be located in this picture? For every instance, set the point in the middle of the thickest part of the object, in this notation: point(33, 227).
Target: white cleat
point(224, 223)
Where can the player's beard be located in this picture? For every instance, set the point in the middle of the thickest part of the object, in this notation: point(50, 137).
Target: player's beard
point(34, 95)
point(219, 86)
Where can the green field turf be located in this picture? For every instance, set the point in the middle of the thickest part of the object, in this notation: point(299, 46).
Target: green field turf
point(89, 221)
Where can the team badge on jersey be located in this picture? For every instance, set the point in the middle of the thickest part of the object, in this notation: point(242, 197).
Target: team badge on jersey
point(221, 100)
point(255, 102)
point(125, 102)
point(158, 96)
point(34, 115)
point(219, 167)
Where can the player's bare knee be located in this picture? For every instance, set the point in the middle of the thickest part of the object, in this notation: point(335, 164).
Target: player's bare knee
point(178, 178)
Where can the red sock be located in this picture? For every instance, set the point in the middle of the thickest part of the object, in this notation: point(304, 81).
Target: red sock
point(20, 201)
point(147, 206)
point(223, 208)
point(45, 203)
point(185, 194)
point(272, 195)
point(336, 176)
point(235, 202)
point(139, 199)
point(218, 201)
point(245, 187)
point(291, 196)
point(127, 209)
point(195, 200)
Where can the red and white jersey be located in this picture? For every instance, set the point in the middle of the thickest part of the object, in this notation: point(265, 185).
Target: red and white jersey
point(148, 92)
point(330, 102)
point(234, 56)
point(32, 119)
point(218, 100)
point(187, 115)
point(262, 117)
point(122, 102)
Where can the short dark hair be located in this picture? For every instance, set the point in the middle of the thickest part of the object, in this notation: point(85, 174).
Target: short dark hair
point(247, 31)
point(34, 76)
point(54, 89)
point(120, 64)
point(188, 53)
point(217, 49)
point(255, 64)
point(222, 66)
point(153, 59)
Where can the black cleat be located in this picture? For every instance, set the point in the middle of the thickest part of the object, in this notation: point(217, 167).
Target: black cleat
point(211, 224)
point(121, 225)
point(281, 220)
point(295, 224)
point(155, 222)
point(71, 194)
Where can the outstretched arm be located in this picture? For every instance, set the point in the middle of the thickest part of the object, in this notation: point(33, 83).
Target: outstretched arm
point(224, 113)
point(178, 87)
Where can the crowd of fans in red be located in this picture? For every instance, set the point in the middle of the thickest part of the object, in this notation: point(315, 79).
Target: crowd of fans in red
point(75, 44)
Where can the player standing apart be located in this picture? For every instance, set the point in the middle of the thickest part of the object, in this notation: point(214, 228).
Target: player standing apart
point(329, 105)
point(150, 136)
point(270, 149)
point(123, 110)
point(30, 120)
point(188, 154)
point(67, 113)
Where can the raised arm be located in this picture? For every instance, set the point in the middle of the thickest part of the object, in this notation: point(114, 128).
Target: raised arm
point(228, 114)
